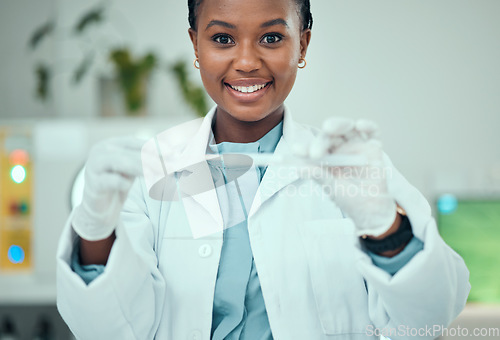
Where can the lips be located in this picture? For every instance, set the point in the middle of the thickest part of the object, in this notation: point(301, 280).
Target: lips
point(249, 89)
point(248, 81)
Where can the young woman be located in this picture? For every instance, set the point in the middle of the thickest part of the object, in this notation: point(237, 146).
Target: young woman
point(227, 251)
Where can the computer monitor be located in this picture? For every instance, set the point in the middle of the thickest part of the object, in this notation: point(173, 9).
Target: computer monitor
point(471, 226)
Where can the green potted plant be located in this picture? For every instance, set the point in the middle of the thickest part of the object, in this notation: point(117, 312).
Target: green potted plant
point(131, 73)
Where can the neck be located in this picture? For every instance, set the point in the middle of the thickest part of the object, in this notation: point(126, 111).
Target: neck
point(227, 128)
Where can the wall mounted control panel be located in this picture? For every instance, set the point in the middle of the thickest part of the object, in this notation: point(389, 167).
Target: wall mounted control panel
point(16, 204)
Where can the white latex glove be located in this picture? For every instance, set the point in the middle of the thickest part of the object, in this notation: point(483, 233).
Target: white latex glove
point(110, 172)
point(359, 191)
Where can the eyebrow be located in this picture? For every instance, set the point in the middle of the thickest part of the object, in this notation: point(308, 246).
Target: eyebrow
point(231, 26)
point(220, 23)
point(274, 22)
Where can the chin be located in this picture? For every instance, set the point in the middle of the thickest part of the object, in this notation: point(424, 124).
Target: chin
point(247, 114)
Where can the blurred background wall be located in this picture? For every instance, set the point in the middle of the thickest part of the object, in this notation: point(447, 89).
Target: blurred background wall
point(427, 72)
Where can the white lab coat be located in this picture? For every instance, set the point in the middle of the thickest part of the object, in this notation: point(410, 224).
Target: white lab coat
point(316, 281)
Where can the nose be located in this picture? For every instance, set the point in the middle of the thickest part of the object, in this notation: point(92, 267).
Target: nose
point(247, 58)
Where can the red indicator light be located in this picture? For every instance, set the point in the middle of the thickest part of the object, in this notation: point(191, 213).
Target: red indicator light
point(19, 156)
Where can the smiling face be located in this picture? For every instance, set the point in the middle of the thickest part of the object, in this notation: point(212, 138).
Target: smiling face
point(248, 53)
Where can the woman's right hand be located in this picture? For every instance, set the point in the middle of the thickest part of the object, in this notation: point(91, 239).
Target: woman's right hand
point(110, 171)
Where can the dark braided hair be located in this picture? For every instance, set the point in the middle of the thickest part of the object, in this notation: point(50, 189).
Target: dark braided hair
point(304, 8)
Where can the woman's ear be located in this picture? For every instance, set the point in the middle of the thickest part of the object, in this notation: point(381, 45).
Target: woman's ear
point(305, 39)
point(194, 39)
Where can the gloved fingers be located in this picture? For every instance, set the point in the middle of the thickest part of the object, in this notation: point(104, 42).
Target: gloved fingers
point(337, 126)
point(109, 174)
point(131, 143)
point(366, 128)
point(344, 130)
point(335, 143)
point(319, 146)
point(126, 162)
point(376, 143)
point(313, 149)
point(340, 131)
point(339, 135)
point(335, 171)
point(130, 146)
point(111, 182)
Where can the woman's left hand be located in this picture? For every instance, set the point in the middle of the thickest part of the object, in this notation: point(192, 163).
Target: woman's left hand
point(359, 191)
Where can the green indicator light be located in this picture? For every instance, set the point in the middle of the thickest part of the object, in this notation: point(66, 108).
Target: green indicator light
point(18, 174)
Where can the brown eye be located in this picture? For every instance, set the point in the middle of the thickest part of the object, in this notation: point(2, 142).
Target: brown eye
point(271, 38)
point(223, 39)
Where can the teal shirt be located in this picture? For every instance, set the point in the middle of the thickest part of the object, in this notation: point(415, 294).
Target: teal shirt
point(239, 311)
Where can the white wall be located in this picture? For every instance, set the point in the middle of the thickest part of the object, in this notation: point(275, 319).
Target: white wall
point(18, 19)
point(426, 71)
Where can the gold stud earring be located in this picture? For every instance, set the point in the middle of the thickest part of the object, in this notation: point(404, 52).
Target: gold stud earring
point(196, 63)
point(302, 63)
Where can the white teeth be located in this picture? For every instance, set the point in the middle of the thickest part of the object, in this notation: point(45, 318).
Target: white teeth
point(248, 89)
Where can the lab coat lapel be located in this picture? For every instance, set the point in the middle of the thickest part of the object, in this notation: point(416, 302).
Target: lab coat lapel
point(202, 208)
point(277, 176)
point(195, 183)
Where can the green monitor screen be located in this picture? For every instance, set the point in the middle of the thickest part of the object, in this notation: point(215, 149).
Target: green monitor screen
point(472, 228)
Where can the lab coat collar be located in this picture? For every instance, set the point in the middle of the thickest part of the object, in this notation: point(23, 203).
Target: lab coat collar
point(195, 150)
point(188, 161)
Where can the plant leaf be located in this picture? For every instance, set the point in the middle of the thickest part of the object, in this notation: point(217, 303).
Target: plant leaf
point(148, 62)
point(121, 58)
point(94, 16)
point(43, 78)
point(192, 93)
point(40, 33)
point(180, 73)
point(83, 68)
